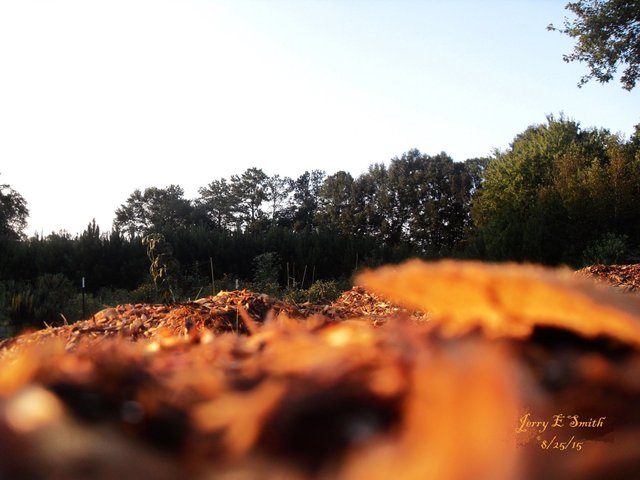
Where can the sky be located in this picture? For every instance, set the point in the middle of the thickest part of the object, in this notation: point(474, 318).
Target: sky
point(99, 98)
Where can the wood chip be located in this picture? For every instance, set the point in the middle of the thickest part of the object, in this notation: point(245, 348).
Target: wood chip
point(507, 299)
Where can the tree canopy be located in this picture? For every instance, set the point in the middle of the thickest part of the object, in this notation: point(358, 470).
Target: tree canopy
point(13, 213)
point(557, 189)
point(156, 210)
point(608, 36)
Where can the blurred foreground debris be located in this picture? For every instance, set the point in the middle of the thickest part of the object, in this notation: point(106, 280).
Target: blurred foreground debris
point(241, 386)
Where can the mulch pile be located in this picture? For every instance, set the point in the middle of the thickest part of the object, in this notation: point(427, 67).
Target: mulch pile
point(357, 302)
point(625, 277)
point(229, 311)
point(242, 386)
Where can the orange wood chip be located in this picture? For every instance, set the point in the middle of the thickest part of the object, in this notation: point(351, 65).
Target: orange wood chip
point(507, 299)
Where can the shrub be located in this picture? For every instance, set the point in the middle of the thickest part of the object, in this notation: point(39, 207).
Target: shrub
point(266, 271)
point(609, 249)
point(228, 283)
point(32, 304)
point(74, 311)
point(295, 295)
point(323, 291)
point(145, 293)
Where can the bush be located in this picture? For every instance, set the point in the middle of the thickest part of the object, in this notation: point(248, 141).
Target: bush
point(271, 289)
point(228, 283)
point(7, 328)
point(145, 293)
point(113, 296)
point(321, 291)
point(73, 311)
point(266, 271)
point(295, 295)
point(32, 304)
point(609, 249)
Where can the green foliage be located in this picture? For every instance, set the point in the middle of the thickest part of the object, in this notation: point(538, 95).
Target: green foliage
point(301, 213)
point(228, 283)
point(430, 203)
point(610, 249)
point(295, 295)
point(323, 291)
point(337, 205)
point(272, 289)
point(105, 297)
point(145, 293)
point(6, 326)
point(218, 203)
point(164, 267)
point(13, 213)
point(277, 190)
point(266, 274)
point(52, 293)
point(250, 191)
point(163, 210)
point(32, 304)
point(320, 292)
point(557, 189)
point(607, 36)
point(22, 307)
point(92, 304)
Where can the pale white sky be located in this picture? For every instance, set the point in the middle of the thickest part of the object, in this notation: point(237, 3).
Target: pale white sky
point(98, 98)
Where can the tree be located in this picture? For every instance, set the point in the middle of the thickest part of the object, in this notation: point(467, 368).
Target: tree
point(374, 198)
point(219, 201)
point(336, 206)
point(306, 191)
point(555, 191)
point(608, 36)
point(514, 211)
point(250, 191)
point(131, 217)
point(474, 172)
point(13, 213)
point(156, 210)
point(430, 201)
point(278, 190)
point(89, 253)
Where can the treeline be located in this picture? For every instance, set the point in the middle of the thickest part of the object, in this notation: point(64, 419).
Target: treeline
point(419, 202)
point(558, 194)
